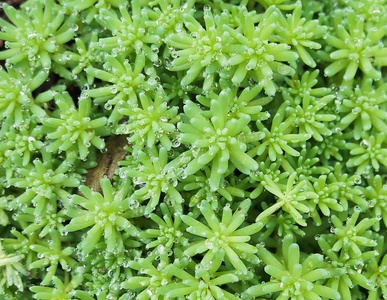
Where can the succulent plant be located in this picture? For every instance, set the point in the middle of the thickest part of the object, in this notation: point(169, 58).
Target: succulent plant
point(197, 149)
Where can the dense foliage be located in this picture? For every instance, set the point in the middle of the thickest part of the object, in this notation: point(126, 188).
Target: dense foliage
point(193, 149)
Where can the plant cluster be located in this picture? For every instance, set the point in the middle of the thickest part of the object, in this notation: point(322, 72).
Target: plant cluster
point(194, 149)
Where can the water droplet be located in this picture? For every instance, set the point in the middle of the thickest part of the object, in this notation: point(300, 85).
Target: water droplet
point(176, 143)
point(365, 144)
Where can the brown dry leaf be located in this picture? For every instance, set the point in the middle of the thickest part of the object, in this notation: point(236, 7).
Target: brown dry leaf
point(107, 163)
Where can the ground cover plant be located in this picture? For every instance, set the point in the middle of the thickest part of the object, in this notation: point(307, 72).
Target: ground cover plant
point(195, 149)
